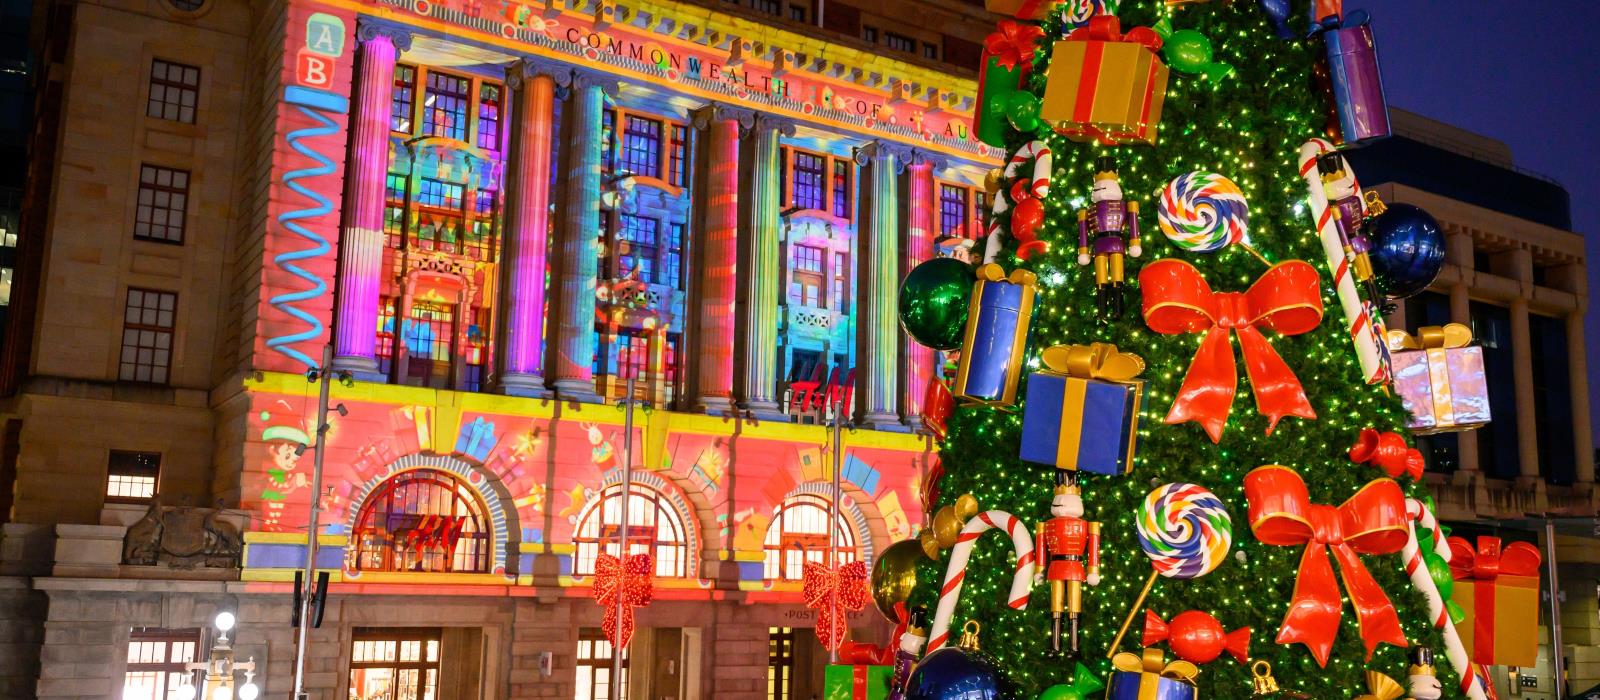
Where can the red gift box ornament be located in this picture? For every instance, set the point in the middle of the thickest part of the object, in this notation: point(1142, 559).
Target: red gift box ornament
point(1373, 521)
point(1387, 451)
point(1487, 564)
point(1013, 44)
point(1286, 299)
point(633, 582)
point(828, 589)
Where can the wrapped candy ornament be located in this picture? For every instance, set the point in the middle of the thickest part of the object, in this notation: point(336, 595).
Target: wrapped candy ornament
point(1083, 685)
point(1197, 637)
point(998, 318)
point(1109, 229)
point(947, 524)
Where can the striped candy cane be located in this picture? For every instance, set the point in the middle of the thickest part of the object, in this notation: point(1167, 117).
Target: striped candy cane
point(1043, 163)
point(956, 571)
point(1417, 513)
point(1365, 325)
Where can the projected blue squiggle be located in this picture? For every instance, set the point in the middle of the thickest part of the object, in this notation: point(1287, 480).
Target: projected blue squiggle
point(316, 104)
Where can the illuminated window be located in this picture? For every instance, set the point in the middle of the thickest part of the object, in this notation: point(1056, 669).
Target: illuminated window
point(653, 528)
point(429, 332)
point(156, 660)
point(953, 210)
point(489, 101)
point(5, 286)
point(131, 476)
point(163, 199)
point(780, 663)
point(641, 146)
point(439, 215)
point(424, 520)
point(808, 176)
point(394, 209)
point(477, 349)
point(841, 188)
point(608, 135)
point(445, 105)
point(174, 91)
point(899, 42)
point(671, 256)
point(637, 247)
point(808, 275)
point(395, 664)
point(480, 238)
point(840, 299)
point(817, 181)
point(147, 328)
point(980, 217)
point(594, 666)
point(678, 173)
point(799, 533)
point(385, 345)
point(402, 101)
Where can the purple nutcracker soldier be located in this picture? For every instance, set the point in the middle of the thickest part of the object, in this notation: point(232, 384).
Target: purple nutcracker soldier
point(1108, 220)
point(1350, 210)
point(905, 657)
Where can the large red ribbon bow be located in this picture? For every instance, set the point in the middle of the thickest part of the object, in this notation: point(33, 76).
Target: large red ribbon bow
point(1373, 521)
point(1487, 563)
point(1286, 299)
point(1013, 44)
point(631, 581)
point(1109, 28)
point(826, 589)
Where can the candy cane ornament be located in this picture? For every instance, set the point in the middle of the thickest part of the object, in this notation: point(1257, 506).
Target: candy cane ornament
point(1417, 513)
point(1365, 325)
point(956, 572)
point(1038, 187)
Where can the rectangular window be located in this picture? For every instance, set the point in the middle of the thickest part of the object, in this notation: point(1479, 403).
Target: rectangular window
point(1498, 455)
point(608, 136)
point(394, 209)
point(841, 188)
point(594, 666)
point(953, 210)
point(637, 241)
point(780, 663)
point(429, 335)
point(930, 51)
point(174, 91)
point(395, 663)
point(489, 101)
point(808, 171)
point(808, 275)
point(1552, 399)
point(147, 325)
point(797, 13)
point(641, 146)
point(870, 34)
point(899, 42)
point(163, 199)
point(771, 7)
point(385, 344)
point(445, 105)
point(680, 156)
point(672, 256)
point(480, 235)
point(439, 215)
point(131, 476)
point(839, 300)
point(402, 101)
point(980, 218)
point(477, 349)
point(156, 660)
point(5, 286)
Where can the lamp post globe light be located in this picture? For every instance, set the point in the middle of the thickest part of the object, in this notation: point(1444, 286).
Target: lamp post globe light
point(220, 669)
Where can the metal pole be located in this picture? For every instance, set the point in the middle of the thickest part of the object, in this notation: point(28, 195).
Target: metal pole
point(627, 492)
point(310, 578)
point(1558, 662)
point(833, 511)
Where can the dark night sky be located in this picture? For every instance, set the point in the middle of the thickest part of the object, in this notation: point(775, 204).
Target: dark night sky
point(1526, 73)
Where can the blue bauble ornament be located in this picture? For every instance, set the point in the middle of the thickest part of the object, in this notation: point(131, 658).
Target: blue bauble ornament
point(1407, 250)
point(956, 673)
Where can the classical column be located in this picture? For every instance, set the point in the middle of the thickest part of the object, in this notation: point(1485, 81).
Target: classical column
point(1578, 375)
point(921, 228)
point(1522, 369)
point(719, 250)
point(878, 328)
point(527, 222)
point(355, 325)
point(579, 262)
point(1458, 253)
point(761, 282)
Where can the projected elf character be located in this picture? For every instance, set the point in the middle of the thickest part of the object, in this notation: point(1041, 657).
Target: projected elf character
point(1350, 210)
point(286, 438)
point(1101, 231)
point(1069, 549)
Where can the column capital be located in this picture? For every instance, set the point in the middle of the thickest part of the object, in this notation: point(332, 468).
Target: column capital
point(585, 78)
point(703, 117)
point(529, 67)
point(920, 156)
point(899, 154)
point(772, 122)
point(369, 29)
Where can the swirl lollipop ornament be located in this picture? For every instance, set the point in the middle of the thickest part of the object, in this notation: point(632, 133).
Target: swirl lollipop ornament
point(1185, 531)
point(1204, 213)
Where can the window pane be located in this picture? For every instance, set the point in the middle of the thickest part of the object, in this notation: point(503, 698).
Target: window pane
point(163, 196)
point(147, 327)
point(641, 146)
point(807, 173)
point(174, 91)
point(444, 106)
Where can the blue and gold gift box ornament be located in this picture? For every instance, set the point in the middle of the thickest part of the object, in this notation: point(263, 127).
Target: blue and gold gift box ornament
point(1149, 677)
point(1083, 412)
point(998, 317)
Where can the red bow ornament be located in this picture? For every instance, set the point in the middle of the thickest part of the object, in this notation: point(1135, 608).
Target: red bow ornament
point(632, 582)
point(1487, 564)
point(1013, 44)
point(1109, 28)
point(1373, 521)
point(1286, 299)
point(1388, 451)
point(827, 589)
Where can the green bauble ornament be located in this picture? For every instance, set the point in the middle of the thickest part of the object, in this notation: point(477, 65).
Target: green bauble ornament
point(933, 302)
point(1022, 110)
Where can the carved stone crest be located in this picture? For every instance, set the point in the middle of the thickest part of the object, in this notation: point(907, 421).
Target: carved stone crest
point(182, 537)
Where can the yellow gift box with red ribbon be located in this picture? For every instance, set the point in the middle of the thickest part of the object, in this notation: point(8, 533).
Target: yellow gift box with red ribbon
point(1498, 587)
point(1105, 85)
point(1148, 676)
point(1439, 377)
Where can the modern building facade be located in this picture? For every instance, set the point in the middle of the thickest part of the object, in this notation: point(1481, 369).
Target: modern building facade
point(492, 216)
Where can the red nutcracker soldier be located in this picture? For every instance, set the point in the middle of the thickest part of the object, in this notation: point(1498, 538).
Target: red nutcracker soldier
point(1069, 548)
point(1101, 229)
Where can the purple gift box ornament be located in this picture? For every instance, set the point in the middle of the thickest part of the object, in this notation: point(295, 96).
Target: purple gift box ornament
point(1439, 377)
point(1355, 81)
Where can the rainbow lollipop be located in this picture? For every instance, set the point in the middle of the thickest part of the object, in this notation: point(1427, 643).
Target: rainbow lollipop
point(1203, 212)
point(1186, 532)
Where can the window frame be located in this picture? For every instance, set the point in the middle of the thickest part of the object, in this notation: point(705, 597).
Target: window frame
point(780, 662)
point(611, 159)
point(167, 85)
point(775, 555)
point(906, 44)
point(830, 175)
point(170, 331)
point(972, 198)
point(388, 546)
point(587, 662)
point(398, 636)
point(587, 546)
point(168, 669)
point(156, 189)
point(112, 473)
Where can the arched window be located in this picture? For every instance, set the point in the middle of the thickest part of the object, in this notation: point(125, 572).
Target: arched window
point(423, 520)
point(799, 533)
point(653, 527)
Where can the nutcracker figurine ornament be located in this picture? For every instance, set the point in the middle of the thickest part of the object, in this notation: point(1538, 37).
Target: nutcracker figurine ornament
point(1350, 211)
point(1422, 682)
point(905, 657)
point(1069, 548)
point(1101, 231)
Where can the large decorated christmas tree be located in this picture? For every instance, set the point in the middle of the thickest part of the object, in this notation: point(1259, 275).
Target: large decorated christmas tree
point(1168, 352)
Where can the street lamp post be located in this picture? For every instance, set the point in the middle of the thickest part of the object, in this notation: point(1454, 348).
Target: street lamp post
point(220, 669)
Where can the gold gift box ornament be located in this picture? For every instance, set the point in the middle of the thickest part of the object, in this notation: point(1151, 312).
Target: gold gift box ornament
point(1440, 378)
point(1106, 86)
